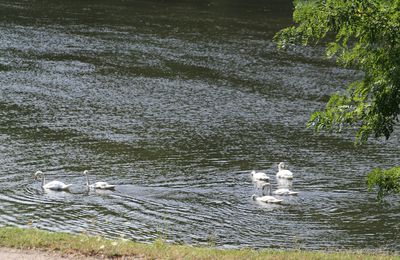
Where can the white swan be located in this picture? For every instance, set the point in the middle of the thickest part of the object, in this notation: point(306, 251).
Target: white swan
point(283, 172)
point(268, 198)
point(285, 192)
point(259, 176)
point(102, 185)
point(53, 185)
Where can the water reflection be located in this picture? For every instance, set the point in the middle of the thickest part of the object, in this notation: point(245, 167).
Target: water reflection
point(175, 103)
point(283, 183)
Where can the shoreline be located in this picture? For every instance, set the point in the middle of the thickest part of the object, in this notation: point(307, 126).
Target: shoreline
point(58, 245)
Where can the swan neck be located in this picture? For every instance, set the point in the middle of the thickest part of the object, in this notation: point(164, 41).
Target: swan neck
point(43, 179)
point(87, 180)
point(268, 189)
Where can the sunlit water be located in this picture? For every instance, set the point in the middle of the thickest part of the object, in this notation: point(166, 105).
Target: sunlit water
point(175, 103)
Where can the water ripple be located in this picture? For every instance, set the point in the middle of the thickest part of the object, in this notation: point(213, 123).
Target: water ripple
point(177, 114)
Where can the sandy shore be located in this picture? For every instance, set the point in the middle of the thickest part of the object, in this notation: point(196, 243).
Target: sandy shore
point(22, 254)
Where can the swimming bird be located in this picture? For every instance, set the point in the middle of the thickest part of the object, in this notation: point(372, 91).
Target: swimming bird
point(259, 176)
point(53, 185)
point(283, 172)
point(267, 198)
point(102, 185)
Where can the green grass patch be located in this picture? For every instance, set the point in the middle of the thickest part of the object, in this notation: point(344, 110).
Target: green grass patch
point(97, 246)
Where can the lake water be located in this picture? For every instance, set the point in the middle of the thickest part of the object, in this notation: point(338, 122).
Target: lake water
point(176, 102)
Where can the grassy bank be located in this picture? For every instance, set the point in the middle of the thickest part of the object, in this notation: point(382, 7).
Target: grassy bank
point(88, 245)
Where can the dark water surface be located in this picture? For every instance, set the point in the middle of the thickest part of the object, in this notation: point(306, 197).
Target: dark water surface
point(176, 102)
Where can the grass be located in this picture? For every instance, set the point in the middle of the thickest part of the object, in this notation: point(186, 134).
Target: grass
point(97, 246)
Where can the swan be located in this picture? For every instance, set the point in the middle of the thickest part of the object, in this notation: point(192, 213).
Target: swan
point(53, 185)
point(283, 172)
point(259, 176)
point(102, 185)
point(268, 198)
point(285, 192)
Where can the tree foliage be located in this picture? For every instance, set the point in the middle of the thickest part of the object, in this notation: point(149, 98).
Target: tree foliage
point(364, 34)
point(361, 34)
point(387, 181)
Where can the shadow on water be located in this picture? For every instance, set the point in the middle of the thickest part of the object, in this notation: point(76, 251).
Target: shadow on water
point(175, 102)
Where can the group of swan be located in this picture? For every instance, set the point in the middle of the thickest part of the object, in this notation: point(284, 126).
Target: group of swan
point(60, 186)
point(266, 198)
point(283, 173)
